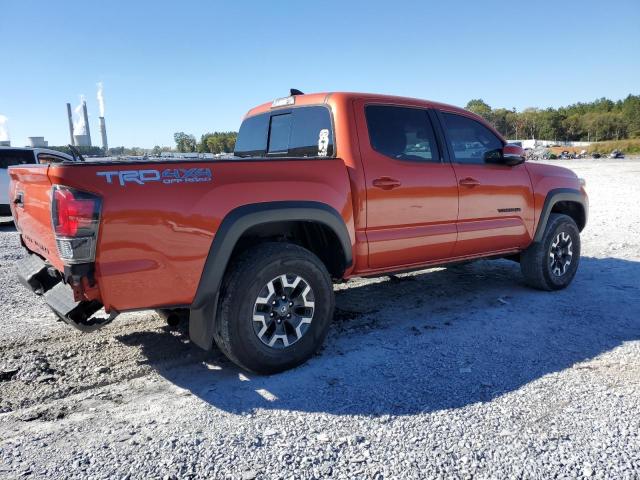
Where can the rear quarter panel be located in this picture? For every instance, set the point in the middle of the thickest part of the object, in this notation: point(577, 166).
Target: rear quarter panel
point(33, 218)
point(154, 238)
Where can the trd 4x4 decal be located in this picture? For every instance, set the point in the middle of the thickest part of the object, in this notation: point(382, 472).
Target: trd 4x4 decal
point(167, 176)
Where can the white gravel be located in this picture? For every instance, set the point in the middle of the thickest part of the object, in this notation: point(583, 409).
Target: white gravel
point(460, 372)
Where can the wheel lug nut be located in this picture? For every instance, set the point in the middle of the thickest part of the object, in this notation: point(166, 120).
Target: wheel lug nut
point(291, 304)
point(273, 303)
point(271, 314)
point(288, 315)
point(284, 298)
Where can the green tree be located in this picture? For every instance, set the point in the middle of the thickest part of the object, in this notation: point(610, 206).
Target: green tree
point(531, 122)
point(573, 127)
point(479, 107)
point(550, 124)
point(218, 142)
point(185, 142)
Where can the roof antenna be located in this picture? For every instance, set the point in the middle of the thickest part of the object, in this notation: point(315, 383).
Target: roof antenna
point(295, 91)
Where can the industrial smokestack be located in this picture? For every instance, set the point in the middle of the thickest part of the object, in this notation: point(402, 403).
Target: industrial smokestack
point(86, 121)
point(73, 142)
point(103, 133)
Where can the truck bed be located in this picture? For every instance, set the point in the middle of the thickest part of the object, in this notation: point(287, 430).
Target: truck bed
point(159, 218)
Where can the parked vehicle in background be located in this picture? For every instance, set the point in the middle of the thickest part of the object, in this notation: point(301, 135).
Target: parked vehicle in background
point(616, 154)
point(596, 155)
point(10, 156)
point(322, 188)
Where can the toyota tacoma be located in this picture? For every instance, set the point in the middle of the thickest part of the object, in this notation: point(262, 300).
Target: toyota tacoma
point(321, 188)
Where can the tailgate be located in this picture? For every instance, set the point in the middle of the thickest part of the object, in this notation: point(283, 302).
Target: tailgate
point(30, 200)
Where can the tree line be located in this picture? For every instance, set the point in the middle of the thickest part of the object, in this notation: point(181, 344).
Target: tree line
point(216, 142)
point(600, 120)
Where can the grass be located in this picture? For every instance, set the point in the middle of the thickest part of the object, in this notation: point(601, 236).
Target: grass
point(631, 146)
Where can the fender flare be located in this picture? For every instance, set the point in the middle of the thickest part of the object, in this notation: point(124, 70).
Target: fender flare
point(203, 310)
point(554, 196)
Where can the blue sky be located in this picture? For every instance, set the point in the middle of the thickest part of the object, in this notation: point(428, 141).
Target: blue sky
point(199, 66)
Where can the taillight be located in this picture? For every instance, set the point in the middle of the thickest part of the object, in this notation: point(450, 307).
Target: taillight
point(75, 216)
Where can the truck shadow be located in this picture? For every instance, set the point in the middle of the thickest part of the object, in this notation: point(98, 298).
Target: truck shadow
point(431, 341)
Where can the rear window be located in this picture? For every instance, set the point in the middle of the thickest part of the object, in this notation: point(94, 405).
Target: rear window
point(279, 133)
point(252, 137)
point(297, 132)
point(15, 157)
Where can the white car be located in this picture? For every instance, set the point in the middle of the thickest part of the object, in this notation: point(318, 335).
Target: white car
point(21, 156)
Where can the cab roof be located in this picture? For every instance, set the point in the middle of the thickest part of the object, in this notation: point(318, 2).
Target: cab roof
point(324, 97)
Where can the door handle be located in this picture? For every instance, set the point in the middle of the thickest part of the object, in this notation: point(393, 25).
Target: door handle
point(386, 183)
point(19, 200)
point(469, 182)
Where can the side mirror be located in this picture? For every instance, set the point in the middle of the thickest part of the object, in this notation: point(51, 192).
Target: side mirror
point(512, 155)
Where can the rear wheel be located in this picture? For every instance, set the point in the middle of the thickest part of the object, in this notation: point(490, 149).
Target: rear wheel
point(552, 263)
point(276, 306)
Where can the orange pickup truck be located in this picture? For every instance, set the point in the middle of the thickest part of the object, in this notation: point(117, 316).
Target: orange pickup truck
point(322, 187)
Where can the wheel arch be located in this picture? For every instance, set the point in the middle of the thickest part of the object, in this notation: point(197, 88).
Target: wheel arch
point(567, 201)
point(226, 243)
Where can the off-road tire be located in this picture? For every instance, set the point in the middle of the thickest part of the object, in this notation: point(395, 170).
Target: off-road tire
point(244, 280)
point(535, 260)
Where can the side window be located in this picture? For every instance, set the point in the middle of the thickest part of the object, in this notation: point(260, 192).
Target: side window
point(402, 133)
point(16, 157)
point(470, 141)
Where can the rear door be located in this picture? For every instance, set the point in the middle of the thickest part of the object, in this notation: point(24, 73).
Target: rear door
point(496, 200)
point(412, 195)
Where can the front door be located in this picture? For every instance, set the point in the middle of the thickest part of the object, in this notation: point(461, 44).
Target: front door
point(412, 194)
point(495, 200)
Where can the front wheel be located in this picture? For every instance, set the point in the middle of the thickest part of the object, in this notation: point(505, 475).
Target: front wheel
point(276, 306)
point(552, 263)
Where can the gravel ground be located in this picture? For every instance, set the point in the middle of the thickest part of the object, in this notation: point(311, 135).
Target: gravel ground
point(460, 372)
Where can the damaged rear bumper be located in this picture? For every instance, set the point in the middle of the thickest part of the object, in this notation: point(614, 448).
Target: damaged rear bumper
point(42, 279)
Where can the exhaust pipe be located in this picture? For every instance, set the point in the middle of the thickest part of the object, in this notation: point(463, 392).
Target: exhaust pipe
point(173, 317)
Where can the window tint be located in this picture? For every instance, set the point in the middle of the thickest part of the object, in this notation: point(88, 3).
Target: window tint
point(15, 157)
point(402, 133)
point(279, 133)
point(297, 132)
point(252, 137)
point(471, 141)
point(312, 133)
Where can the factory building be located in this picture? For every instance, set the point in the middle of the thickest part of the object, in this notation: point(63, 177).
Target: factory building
point(37, 142)
point(82, 140)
